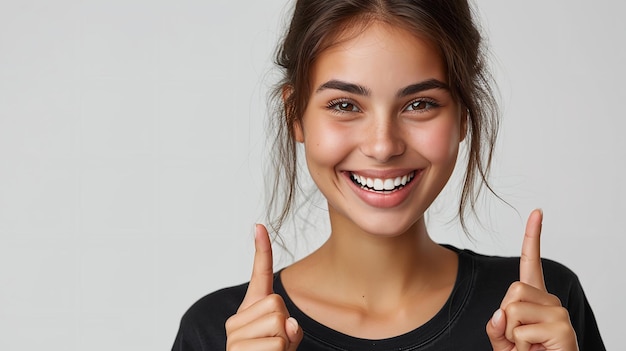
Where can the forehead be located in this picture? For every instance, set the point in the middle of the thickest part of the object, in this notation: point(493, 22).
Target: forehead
point(381, 54)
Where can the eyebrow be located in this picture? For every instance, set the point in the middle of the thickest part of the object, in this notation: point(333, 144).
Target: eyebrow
point(361, 90)
point(423, 86)
point(344, 86)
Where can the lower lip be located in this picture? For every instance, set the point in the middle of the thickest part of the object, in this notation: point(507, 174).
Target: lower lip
point(384, 199)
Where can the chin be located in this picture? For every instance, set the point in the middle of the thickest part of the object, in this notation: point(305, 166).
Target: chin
point(384, 226)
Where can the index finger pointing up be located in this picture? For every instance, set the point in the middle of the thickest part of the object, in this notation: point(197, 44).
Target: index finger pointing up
point(261, 282)
point(530, 270)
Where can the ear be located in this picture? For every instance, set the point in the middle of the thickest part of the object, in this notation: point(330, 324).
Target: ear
point(298, 133)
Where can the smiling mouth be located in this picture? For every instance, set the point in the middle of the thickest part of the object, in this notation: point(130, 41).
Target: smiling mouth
point(382, 185)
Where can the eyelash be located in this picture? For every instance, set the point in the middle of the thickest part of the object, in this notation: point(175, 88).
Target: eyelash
point(333, 105)
point(430, 104)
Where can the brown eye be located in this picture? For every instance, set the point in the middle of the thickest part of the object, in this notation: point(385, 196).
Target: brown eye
point(418, 105)
point(345, 106)
point(342, 106)
point(421, 105)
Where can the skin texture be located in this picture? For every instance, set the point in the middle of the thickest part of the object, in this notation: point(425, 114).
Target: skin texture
point(379, 274)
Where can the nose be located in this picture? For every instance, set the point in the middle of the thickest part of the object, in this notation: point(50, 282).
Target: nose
point(383, 140)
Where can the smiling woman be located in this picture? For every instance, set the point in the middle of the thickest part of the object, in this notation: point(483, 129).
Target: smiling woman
point(381, 95)
point(379, 135)
point(132, 151)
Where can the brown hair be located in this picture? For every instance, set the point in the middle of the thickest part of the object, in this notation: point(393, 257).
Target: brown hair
point(448, 24)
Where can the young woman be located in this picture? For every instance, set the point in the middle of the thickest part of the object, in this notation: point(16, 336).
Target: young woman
point(381, 94)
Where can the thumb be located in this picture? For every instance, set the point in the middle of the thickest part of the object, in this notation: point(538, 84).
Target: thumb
point(294, 333)
point(496, 328)
point(262, 280)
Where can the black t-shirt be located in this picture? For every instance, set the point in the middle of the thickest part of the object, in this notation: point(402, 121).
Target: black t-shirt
point(481, 283)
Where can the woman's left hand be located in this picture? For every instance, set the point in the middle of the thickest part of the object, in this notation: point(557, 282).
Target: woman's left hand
point(530, 318)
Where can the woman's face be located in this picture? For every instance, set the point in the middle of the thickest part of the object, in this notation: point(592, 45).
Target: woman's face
point(381, 130)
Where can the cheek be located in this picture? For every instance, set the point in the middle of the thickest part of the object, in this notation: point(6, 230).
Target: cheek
point(440, 142)
point(325, 144)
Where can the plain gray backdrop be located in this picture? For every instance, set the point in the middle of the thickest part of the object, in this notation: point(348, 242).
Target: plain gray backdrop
point(132, 145)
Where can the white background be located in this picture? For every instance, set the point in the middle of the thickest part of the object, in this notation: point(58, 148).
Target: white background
point(131, 140)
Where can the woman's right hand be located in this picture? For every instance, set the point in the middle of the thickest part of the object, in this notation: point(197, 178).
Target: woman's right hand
point(262, 321)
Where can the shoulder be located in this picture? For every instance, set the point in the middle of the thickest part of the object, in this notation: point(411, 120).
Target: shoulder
point(202, 326)
point(215, 307)
point(501, 271)
point(221, 302)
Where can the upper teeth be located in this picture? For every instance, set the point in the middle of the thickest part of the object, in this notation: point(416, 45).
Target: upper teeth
point(383, 184)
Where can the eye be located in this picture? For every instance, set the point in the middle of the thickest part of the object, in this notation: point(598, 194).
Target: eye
point(342, 105)
point(421, 105)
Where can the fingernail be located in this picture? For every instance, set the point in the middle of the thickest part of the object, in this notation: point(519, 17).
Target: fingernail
point(293, 323)
point(497, 316)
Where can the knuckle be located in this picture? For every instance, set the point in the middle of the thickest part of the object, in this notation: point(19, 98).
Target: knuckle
point(517, 288)
point(563, 314)
point(513, 309)
point(515, 291)
point(230, 323)
point(274, 343)
point(517, 335)
point(281, 343)
point(556, 301)
point(276, 320)
point(275, 300)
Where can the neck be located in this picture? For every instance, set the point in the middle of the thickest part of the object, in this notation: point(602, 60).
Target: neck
point(382, 269)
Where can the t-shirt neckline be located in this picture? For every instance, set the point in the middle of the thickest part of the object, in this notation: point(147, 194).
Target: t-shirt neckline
point(411, 340)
